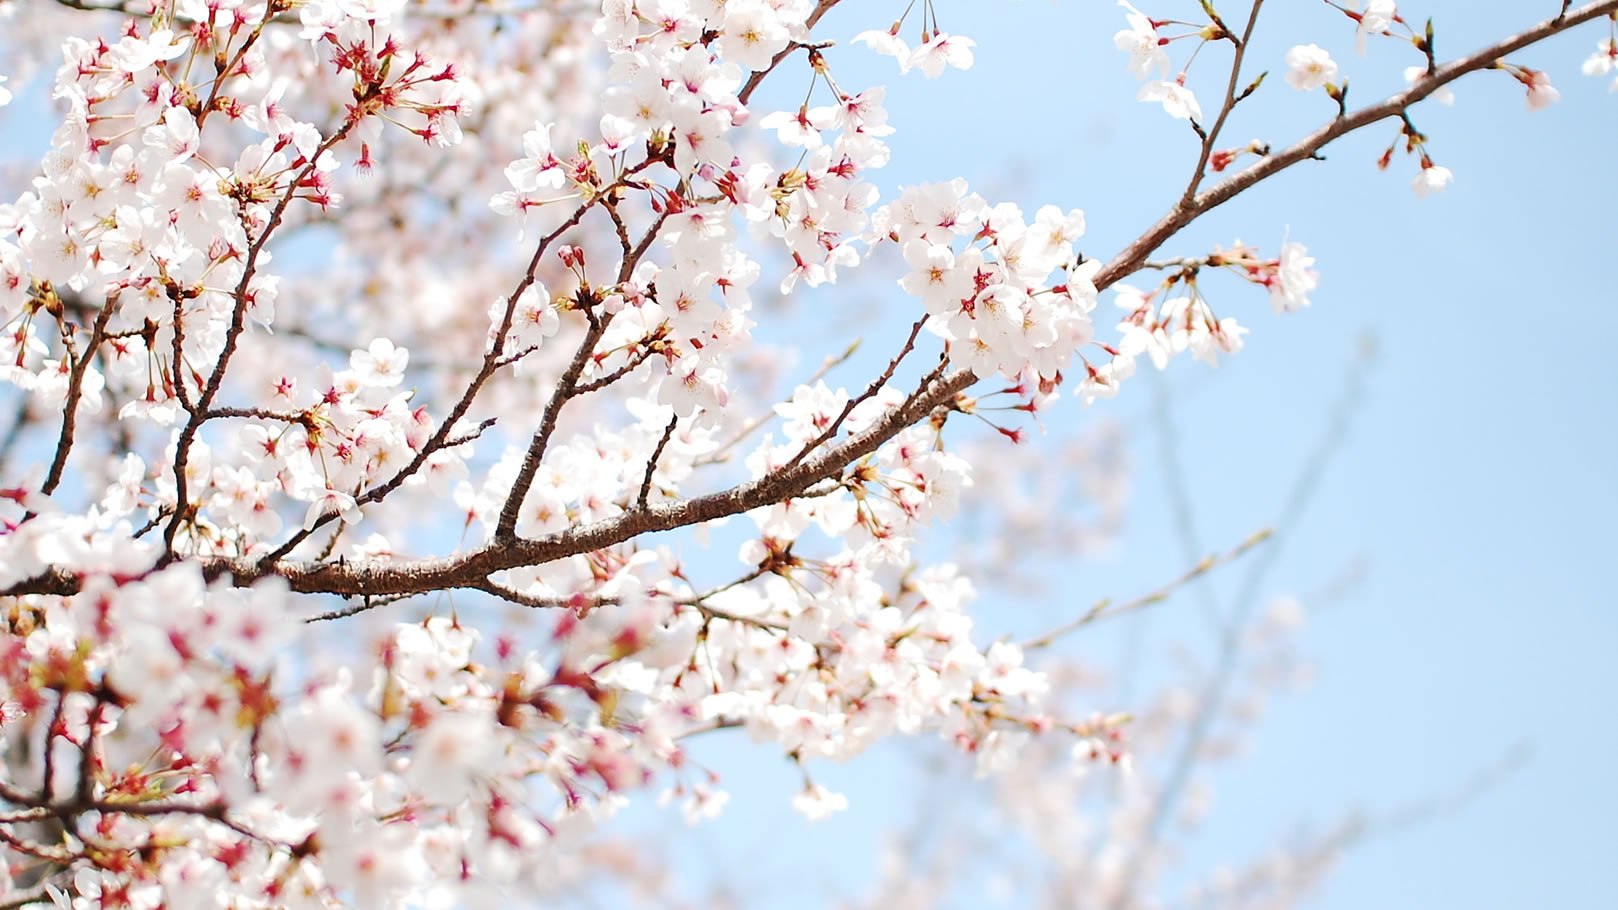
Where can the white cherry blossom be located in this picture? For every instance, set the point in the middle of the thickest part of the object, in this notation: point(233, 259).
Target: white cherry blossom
point(1177, 100)
point(1309, 67)
point(1431, 180)
point(427, 424)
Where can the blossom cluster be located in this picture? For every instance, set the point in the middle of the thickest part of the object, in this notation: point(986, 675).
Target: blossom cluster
point(168, 717)
point(992, 303)
point(301, 290)
point(211, 764)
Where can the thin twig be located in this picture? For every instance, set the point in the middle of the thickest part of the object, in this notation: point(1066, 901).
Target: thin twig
point(651, 463)
point(1174, 482)
point(1231, 100)
point(75, 390)
point(567, 387)
point(870, 392)
point(752, 425)
point(757, 78)
point(39, 895)
point(1106, 609)
point(1308, 482)
point(566, 390)
point(634, 361)
point(506, 592)
point(366, 603)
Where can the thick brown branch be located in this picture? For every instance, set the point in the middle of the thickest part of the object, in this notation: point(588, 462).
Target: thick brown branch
point(387, 577)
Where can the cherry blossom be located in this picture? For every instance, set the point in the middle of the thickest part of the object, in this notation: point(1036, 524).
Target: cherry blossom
point(1600, 63)
point(1309, 67)
point(753, 33)
point(1295, 278)
point(941, 51)
point(1142, 43)
point(1376, 19)
point(887, 43)
point(1432, 179)
point(1541, 94)
point(816, 802)
point(1177, 100)
point(422, 437)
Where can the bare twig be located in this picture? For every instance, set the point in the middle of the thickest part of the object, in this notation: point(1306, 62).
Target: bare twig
point(651, 463)
point(506, 592)
point(1304, 487)
point(602, 382)
point(366, 603)
point(39, 895)
point(752, 425)
point(1179, 496)
point(1231, 100)
point(1104, 609)
point(75, 391)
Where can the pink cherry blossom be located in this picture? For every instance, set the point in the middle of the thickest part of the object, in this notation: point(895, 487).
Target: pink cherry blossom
point(426, 421)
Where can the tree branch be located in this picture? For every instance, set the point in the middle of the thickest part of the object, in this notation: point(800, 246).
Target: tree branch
point(386, 577)
point(1183, 214)
point(1231, 100)
point(362, 577)
point(75, 391)
point(238, 323)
